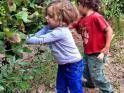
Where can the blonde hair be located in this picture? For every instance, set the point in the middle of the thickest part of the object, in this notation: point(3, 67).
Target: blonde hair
point(63, 11)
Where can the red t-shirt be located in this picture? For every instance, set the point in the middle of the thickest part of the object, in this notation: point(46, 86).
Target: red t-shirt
point(92, 29)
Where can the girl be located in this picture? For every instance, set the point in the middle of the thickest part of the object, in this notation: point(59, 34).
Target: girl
point(59, 14)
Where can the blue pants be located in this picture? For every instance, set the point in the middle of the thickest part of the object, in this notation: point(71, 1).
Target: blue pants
point(69, 78)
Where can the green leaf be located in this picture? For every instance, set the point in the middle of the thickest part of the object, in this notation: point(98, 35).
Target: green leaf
point(23, 15)
point(35, 14)
point(2, 50)
point(1, 88)
point(9, 34)
point(2, 34)
point(24, 63)
point(24, 85)
point(22, 70)
point(17, 48)
point(18, 2)
point(27, 77)
point(32, 5)
point(26, 49)
point(1, 43)
point(22, 35)
point(0, 22)
point(18, 51)
point(14, 78)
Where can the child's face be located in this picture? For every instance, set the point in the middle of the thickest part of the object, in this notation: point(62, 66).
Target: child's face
point(50, 18)
point(82, 10)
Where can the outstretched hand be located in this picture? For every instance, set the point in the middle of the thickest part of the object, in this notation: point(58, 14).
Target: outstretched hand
point(101, 56)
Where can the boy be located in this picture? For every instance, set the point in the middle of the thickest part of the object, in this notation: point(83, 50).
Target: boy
point(96, 34)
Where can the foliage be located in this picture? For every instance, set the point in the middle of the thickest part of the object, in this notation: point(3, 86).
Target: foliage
point(17, 18)
point(45, 68)
point(112, 12)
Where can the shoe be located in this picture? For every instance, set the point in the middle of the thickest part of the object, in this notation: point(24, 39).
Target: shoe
point(88, 84)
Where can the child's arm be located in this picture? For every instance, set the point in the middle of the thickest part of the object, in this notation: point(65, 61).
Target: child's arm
point(46, 38)
point(109, 37)
point(73, 25)
point(109, 33)
point(43, 30)
point(104, 26)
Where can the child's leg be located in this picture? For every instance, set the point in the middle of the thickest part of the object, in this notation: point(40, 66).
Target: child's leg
point(86, 74)
point(96, 68)
point(61, 83)
point(73, 75)
point(88, 84)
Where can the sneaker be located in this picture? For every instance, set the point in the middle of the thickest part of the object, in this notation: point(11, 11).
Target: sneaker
point(88, 85)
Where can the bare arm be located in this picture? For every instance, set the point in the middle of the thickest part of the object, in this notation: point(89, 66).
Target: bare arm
point(109, 36)
point(109, 33)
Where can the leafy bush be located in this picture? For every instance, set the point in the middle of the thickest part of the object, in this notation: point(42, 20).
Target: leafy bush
point(112, 12)
point(17, 18)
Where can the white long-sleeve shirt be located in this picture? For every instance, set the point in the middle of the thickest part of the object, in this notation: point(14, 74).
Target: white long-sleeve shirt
point(61, 43)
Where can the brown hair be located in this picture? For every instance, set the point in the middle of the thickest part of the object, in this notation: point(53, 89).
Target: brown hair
point(63, 11)
point(91, 4)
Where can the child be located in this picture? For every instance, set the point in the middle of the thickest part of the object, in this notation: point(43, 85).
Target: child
point(96, 34)
point(59, 14)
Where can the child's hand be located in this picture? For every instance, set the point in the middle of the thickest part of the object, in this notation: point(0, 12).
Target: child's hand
point(101, 56)
point(70, 26)
point(105, 50)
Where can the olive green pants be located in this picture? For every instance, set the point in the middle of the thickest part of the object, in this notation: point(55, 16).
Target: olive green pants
point(94, 73)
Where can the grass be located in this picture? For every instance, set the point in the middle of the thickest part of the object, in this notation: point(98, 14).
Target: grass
point(118, 43)
point(122, 24)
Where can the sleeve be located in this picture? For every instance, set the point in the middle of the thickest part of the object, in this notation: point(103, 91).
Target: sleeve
point(74, 25)
point(46, 38)
point(43, 30)
point(102, 23)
